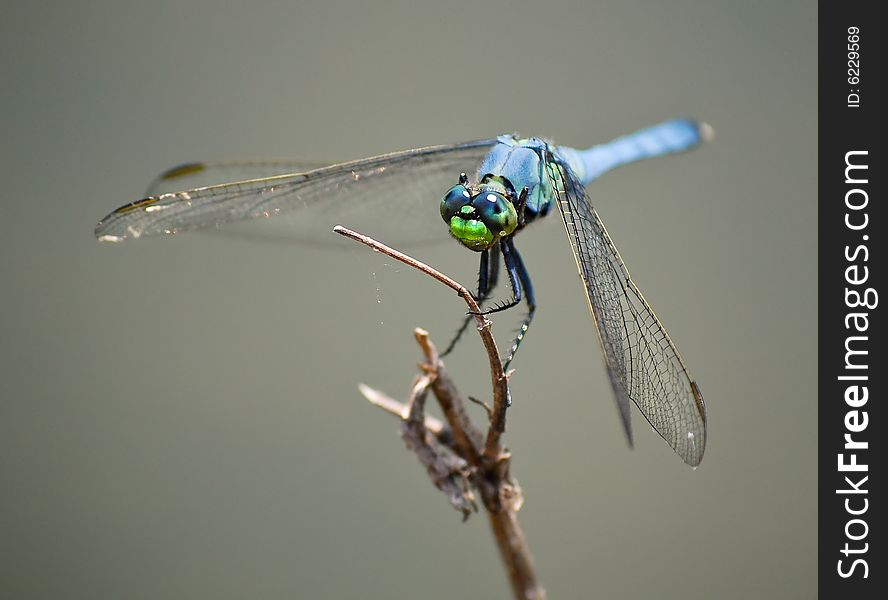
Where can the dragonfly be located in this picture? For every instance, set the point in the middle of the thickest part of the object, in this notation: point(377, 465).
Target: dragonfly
point(502, 185)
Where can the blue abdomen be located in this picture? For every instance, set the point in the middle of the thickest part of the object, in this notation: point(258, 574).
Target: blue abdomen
point(519, 160)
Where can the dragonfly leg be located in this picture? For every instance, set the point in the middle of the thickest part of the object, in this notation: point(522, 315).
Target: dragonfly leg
point(531, 308)
point(488, 276)
point(484, 276)
point(512, 261)
point(520, 280)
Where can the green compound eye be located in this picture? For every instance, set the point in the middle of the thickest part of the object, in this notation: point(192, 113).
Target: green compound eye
point(479, 221)
point(497, 213)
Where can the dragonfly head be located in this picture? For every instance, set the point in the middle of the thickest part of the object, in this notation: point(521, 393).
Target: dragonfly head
point(478, 216)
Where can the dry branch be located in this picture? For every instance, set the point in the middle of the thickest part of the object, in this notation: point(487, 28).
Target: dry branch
point(458, 457)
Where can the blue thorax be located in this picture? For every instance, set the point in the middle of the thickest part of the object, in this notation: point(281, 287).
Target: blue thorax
point(521, 161)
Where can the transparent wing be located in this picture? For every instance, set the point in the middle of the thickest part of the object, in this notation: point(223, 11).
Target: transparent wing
point(642, 362)
point(379, 192)
point(194, 175)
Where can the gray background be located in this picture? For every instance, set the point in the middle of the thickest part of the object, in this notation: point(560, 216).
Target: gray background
point(178, 417)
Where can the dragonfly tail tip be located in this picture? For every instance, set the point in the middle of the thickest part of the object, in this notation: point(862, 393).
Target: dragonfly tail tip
point(707, 133)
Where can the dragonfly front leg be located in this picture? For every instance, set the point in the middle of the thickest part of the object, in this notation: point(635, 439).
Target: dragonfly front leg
point(488, 276)
point(515, 268)
point(488, 273)
point(520, 280)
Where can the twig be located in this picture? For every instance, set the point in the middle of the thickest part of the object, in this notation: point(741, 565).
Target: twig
point(466, 436)
point(448, 471)
point(398, 409)
point(498, 378)
point(485, 465)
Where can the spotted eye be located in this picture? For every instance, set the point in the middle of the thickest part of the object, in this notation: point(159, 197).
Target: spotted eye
point(455, 198)
point(497, 213)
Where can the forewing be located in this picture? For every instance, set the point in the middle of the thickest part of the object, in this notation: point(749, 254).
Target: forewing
point(194, 175)
point(642, 362)
point(396, 183)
